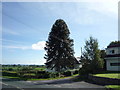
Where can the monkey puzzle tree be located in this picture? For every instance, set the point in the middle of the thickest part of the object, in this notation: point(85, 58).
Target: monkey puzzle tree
point(59, 48)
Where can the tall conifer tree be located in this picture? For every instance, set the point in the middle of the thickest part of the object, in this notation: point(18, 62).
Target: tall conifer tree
point(59, 48)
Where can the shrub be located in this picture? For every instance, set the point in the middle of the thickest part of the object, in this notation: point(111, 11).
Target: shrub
point(42, 74)
point(7, 73)
point(67, 73)
point(10, 69)
point(54, 75)
point(84, 71)
point(76, 72)
point(29, 75)
point(46, 75)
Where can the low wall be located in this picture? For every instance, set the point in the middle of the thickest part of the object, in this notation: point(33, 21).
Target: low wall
point(104, 80)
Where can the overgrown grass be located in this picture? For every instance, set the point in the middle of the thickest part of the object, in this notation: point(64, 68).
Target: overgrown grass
point(115, 87)
point(109, 75)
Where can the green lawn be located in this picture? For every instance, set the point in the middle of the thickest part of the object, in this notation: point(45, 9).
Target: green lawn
point(109, 75)
point(116, 87)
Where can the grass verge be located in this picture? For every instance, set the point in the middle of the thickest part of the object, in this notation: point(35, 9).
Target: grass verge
point(109, 75)
point(115, 87)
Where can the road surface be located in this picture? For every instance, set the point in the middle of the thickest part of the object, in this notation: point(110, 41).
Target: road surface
point(62, 83)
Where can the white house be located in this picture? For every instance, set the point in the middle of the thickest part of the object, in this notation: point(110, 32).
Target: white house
point(113, 57)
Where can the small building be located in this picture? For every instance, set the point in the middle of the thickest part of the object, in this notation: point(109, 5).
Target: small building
point(113, 56)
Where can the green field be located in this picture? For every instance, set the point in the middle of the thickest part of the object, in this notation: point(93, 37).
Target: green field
point(109, 75)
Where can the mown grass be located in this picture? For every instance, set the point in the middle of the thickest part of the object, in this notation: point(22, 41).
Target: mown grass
point(109, 75)
point(115, 87)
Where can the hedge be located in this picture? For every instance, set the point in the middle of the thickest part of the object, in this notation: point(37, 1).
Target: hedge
point(7, 73)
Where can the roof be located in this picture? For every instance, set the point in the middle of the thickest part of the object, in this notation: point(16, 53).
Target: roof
point(115, 55)
point(114, 44)
point(111, 46)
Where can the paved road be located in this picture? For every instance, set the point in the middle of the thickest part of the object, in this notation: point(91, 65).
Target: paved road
point(63, 83)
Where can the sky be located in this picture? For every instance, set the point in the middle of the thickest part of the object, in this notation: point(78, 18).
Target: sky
point(26, 25)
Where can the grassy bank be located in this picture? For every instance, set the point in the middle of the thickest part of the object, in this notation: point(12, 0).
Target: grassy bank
point(115, 87)
point(115, 75)
point(109, 75)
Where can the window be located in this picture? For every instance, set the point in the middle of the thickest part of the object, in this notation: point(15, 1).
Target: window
point(114, 64)
point(112, 51)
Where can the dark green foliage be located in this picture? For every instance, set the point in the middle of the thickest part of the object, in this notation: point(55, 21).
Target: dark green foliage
point(54, 75)
point(76, 72)
point(7, 73)
point(59, 48)
point(46, 75)
point(103, 54)
point(10, 69)
point(90, 59)
point(42, 74)
point(29, 75)
point(67, 73)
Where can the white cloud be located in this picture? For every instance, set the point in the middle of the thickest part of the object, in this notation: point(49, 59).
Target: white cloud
point(39, 46)
point(17, 47)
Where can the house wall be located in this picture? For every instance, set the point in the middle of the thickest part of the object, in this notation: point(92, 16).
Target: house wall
point(116, 50)
point(113, 67)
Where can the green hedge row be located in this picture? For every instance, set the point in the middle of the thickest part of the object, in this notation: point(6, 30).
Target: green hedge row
point(38, 74)
point(14, 74)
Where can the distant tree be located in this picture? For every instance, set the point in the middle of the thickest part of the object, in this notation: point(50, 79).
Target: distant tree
point(59, 48)
point(102, 55)
point(90, 59)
